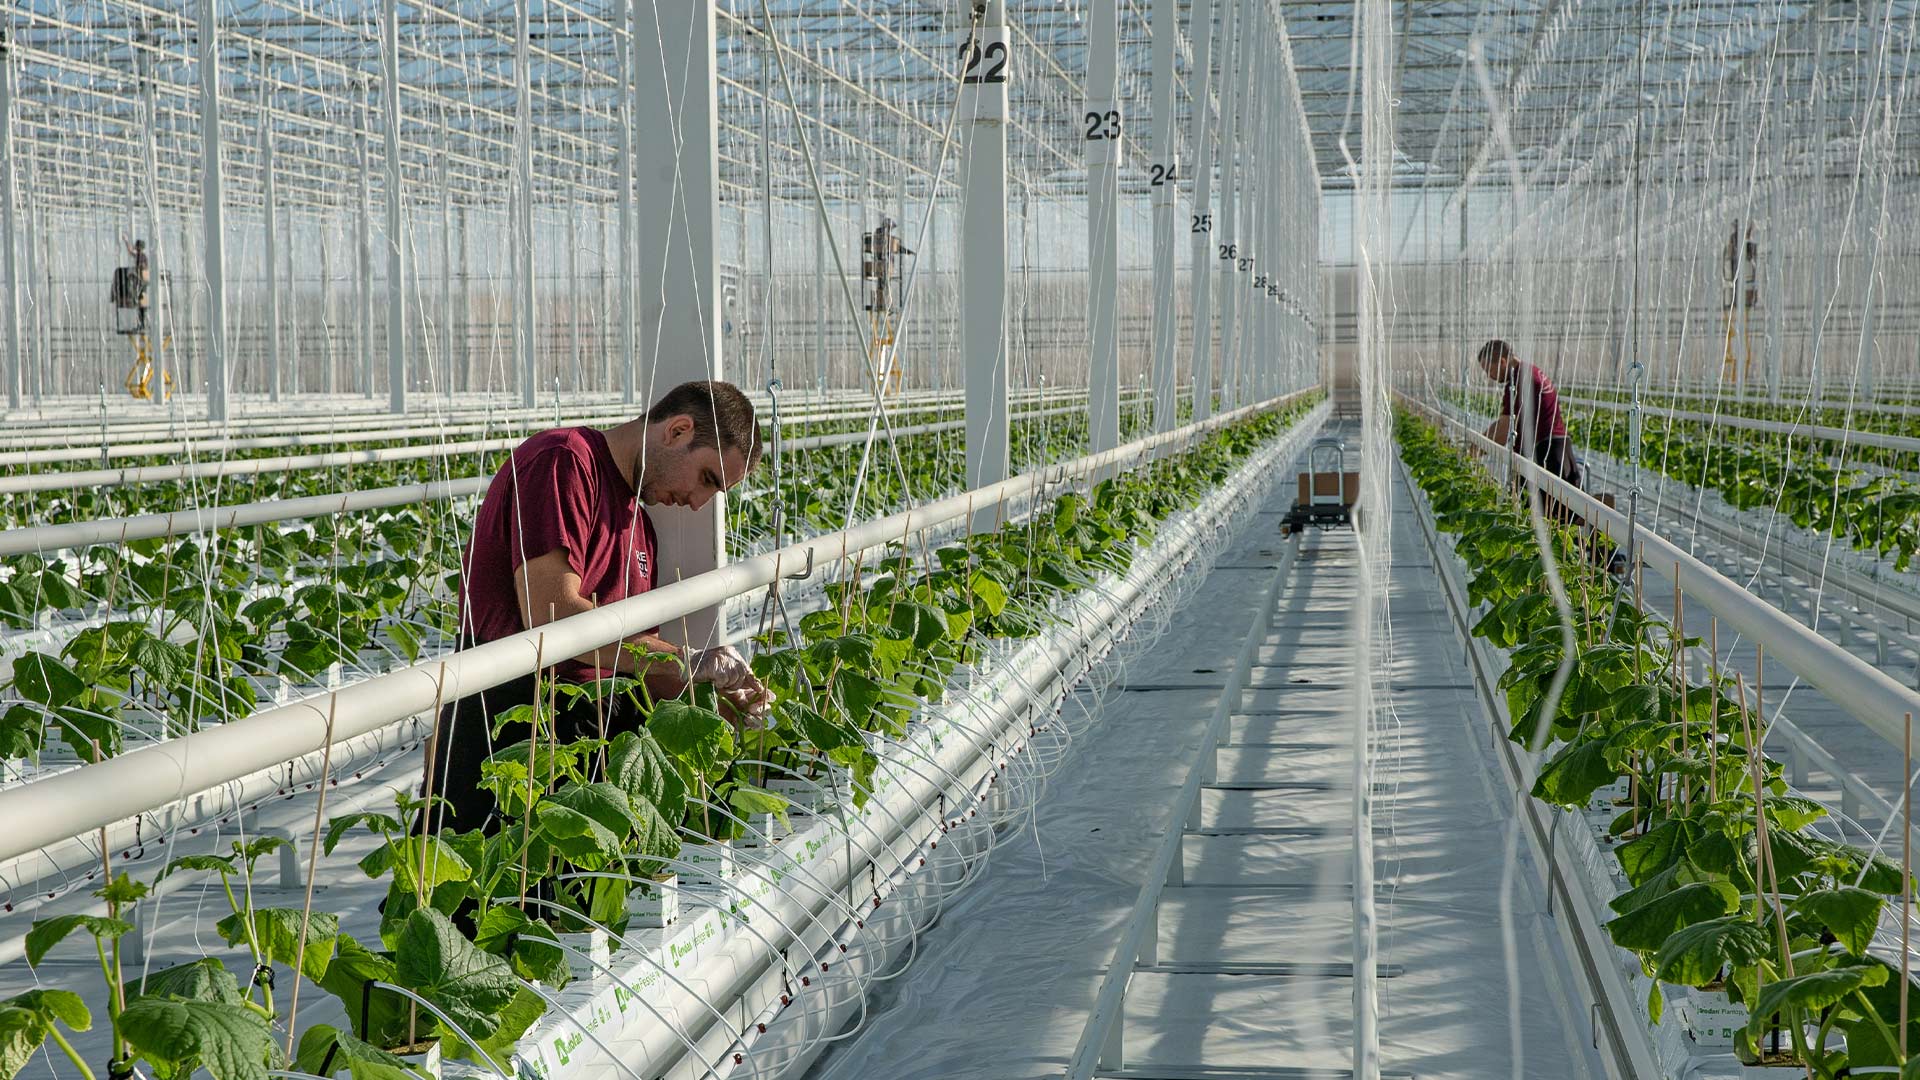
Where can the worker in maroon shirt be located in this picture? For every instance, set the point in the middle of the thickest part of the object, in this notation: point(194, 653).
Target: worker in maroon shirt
point(563, 530)
point(1527, 394)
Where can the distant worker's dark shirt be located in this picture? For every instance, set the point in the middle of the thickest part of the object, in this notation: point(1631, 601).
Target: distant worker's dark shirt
point(559, 490)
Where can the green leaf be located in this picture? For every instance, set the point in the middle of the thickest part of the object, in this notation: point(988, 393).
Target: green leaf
point(748, 801)
point(433, 959)
point(1851, 914)
point(26, 1019)
point(215, 864)
point(276, 933)
point(162, 662)
point(405, 857)
point(698, 736)
point(386, 824)
point(232, 1042)
point(1697, 955)
point(1811, 992)
point(1655, 850)
point(988, 594)
point(1646, 928)
point(329, 1048)
point(638, 765)
point(122, 890)
point(1571, 776)
point(385, 1012)
point(21, 728)
point(46, 681)
point(205, 979)
point(47, 933)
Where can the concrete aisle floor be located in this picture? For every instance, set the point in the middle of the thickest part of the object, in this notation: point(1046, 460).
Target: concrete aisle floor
point(1004, 983)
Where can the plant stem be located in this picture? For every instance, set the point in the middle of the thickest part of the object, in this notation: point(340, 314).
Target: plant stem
point(1898, 1044)
point(59, 1040)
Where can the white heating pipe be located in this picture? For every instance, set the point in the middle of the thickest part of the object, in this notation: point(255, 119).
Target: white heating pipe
point(44, 538)
point(65, 805)
point(388, 432)
point(1769, 427)
point(207, 470)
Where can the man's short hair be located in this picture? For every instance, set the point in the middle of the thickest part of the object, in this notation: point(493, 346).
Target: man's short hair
point(1494, 352)
point(722, 416)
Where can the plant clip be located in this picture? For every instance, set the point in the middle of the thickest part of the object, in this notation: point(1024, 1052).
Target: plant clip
point(263, 975)
point(120, 1068)
point(738, 1059)
point(806, 980)
point(761, 1028)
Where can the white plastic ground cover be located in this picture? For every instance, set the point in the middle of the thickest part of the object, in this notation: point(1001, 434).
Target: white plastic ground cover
point(692, 1001)
point(1694, 1039)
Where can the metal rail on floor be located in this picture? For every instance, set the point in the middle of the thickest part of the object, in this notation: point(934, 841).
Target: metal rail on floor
point(1101, 1050)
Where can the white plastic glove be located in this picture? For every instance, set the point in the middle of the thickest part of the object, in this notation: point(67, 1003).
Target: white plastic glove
point(723, 666)
point(733, 677)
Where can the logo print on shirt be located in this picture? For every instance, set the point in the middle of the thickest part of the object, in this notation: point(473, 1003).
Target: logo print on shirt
point(640, 563)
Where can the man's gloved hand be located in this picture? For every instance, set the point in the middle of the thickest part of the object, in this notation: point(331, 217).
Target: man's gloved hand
point(730, 674)
point(723, 666)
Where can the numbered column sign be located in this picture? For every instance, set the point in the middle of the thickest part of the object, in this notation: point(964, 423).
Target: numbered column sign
point(1163, 179)
point(985, 65)
point(1101, 129)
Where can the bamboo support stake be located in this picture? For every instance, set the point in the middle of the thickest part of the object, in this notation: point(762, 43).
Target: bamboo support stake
point(1764, 851)
point(313, 861)
point(533, 746)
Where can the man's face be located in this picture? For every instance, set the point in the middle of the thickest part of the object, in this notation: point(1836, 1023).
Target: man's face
point(674, 472)
point(1495, 369)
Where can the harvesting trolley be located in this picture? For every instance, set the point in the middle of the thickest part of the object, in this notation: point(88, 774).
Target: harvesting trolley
point(1327, 491)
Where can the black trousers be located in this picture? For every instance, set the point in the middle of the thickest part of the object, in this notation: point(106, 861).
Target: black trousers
point(463, 740)
point(1555, 454)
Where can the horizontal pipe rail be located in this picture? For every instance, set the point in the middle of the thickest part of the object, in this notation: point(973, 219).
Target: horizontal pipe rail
point(97, 795)
point(1863, 691)
point(210, 470)
point(36, 539)
point(439, 428)
point(1768, 427)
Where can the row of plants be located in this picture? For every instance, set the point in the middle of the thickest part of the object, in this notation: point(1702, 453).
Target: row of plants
point(1862, 416)
point(1815, 483)
point(59, 506)
point(474, 923)
point(201, 626)
point(1810, 481)
point(1733, 884)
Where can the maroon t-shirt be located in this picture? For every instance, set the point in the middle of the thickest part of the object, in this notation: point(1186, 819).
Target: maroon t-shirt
point(559, 490)
point(1547, 421)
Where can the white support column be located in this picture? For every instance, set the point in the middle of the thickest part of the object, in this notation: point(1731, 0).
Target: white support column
point(210, 197)
point(524, 315)
point(1200, 29)
point(624, 116)
point(1103, 129)
point(363, 246)
point(295, 354)
point(1163, 185)
point(983, 252)
point(446, 262)
point(9, 225)
point(573, 285)
point(1228, 237)
point(1773, 287)
point(396, 229)
point(330, 377)
point(158, 311)
point(675, 104)
point(268, 213)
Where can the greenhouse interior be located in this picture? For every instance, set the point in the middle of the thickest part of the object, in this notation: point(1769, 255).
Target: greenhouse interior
point(1006, 539)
